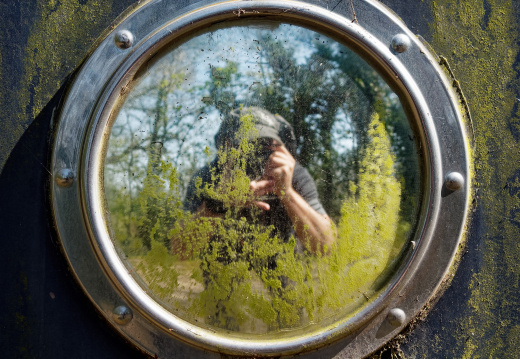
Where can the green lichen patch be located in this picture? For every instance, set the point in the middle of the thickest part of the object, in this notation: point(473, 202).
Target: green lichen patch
point(56, 45)
point(481, 43)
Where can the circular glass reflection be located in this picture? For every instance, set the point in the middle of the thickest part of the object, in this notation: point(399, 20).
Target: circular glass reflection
point(261, 177)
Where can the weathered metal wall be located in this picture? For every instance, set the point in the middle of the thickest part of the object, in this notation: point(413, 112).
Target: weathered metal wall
point(46, 316)
point(479, 315)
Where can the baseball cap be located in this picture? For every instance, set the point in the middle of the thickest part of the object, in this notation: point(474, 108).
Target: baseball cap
point(267, 125)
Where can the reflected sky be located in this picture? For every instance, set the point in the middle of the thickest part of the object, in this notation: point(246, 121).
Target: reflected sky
point(190, 107)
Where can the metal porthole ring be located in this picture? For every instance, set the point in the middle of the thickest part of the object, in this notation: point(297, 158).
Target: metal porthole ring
point(382, 40)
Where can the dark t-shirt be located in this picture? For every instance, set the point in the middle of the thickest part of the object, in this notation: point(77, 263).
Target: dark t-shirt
point(277, 215)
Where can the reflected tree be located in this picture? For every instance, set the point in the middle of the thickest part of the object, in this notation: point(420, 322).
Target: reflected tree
point(353, 137)
point(328, 97)
point(153, 121)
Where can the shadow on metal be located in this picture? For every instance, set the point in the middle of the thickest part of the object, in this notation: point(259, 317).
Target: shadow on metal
point(45, 315)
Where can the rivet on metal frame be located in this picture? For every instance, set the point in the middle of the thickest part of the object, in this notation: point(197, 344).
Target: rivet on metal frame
point(400, 43)
point(454, 181)
point(122, 315)
point(124, 39)
point(396, 317)
point(64, 177)
point(161, 24)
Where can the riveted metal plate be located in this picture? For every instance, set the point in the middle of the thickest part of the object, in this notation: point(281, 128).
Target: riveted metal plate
point(375, 34)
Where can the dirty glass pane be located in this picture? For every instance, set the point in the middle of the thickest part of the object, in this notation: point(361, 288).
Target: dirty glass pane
point(261, 178)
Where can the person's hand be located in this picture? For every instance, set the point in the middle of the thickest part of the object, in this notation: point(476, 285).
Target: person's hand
point(261, 188)
point(280, 169)
point(278, 175)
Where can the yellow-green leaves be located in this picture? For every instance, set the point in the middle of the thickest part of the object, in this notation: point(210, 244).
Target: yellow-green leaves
point(234, 273)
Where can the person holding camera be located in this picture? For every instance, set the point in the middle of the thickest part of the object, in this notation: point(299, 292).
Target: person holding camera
point(282, 189)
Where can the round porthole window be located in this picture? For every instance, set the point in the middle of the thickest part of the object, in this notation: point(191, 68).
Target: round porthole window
point(259, 178)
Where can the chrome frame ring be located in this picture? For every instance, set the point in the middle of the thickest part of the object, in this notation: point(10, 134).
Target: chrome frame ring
point(81, 137)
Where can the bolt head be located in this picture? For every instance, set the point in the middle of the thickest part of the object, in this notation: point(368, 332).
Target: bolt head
point(124, 39)
point(400, 43)
point(64, 177)
point(396, 317)
point(122, 315)
point(454, 181)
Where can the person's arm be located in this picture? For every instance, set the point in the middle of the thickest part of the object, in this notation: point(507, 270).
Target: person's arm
point(311, 227)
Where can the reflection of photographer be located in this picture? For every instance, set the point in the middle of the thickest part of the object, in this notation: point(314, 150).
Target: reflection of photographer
point(282, 190)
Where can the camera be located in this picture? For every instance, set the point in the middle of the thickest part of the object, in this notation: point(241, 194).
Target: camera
point(255, 166)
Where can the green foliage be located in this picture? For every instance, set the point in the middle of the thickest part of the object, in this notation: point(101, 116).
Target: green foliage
point(231, 271)
point(124, 218)
point(160, 202)
point(157, 268)
point(233, 184)
point(240, 275)
point(331, 95)
point(223, 79)
point(370, 231)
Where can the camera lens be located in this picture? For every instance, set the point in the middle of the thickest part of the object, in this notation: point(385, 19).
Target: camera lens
point(256, 163)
